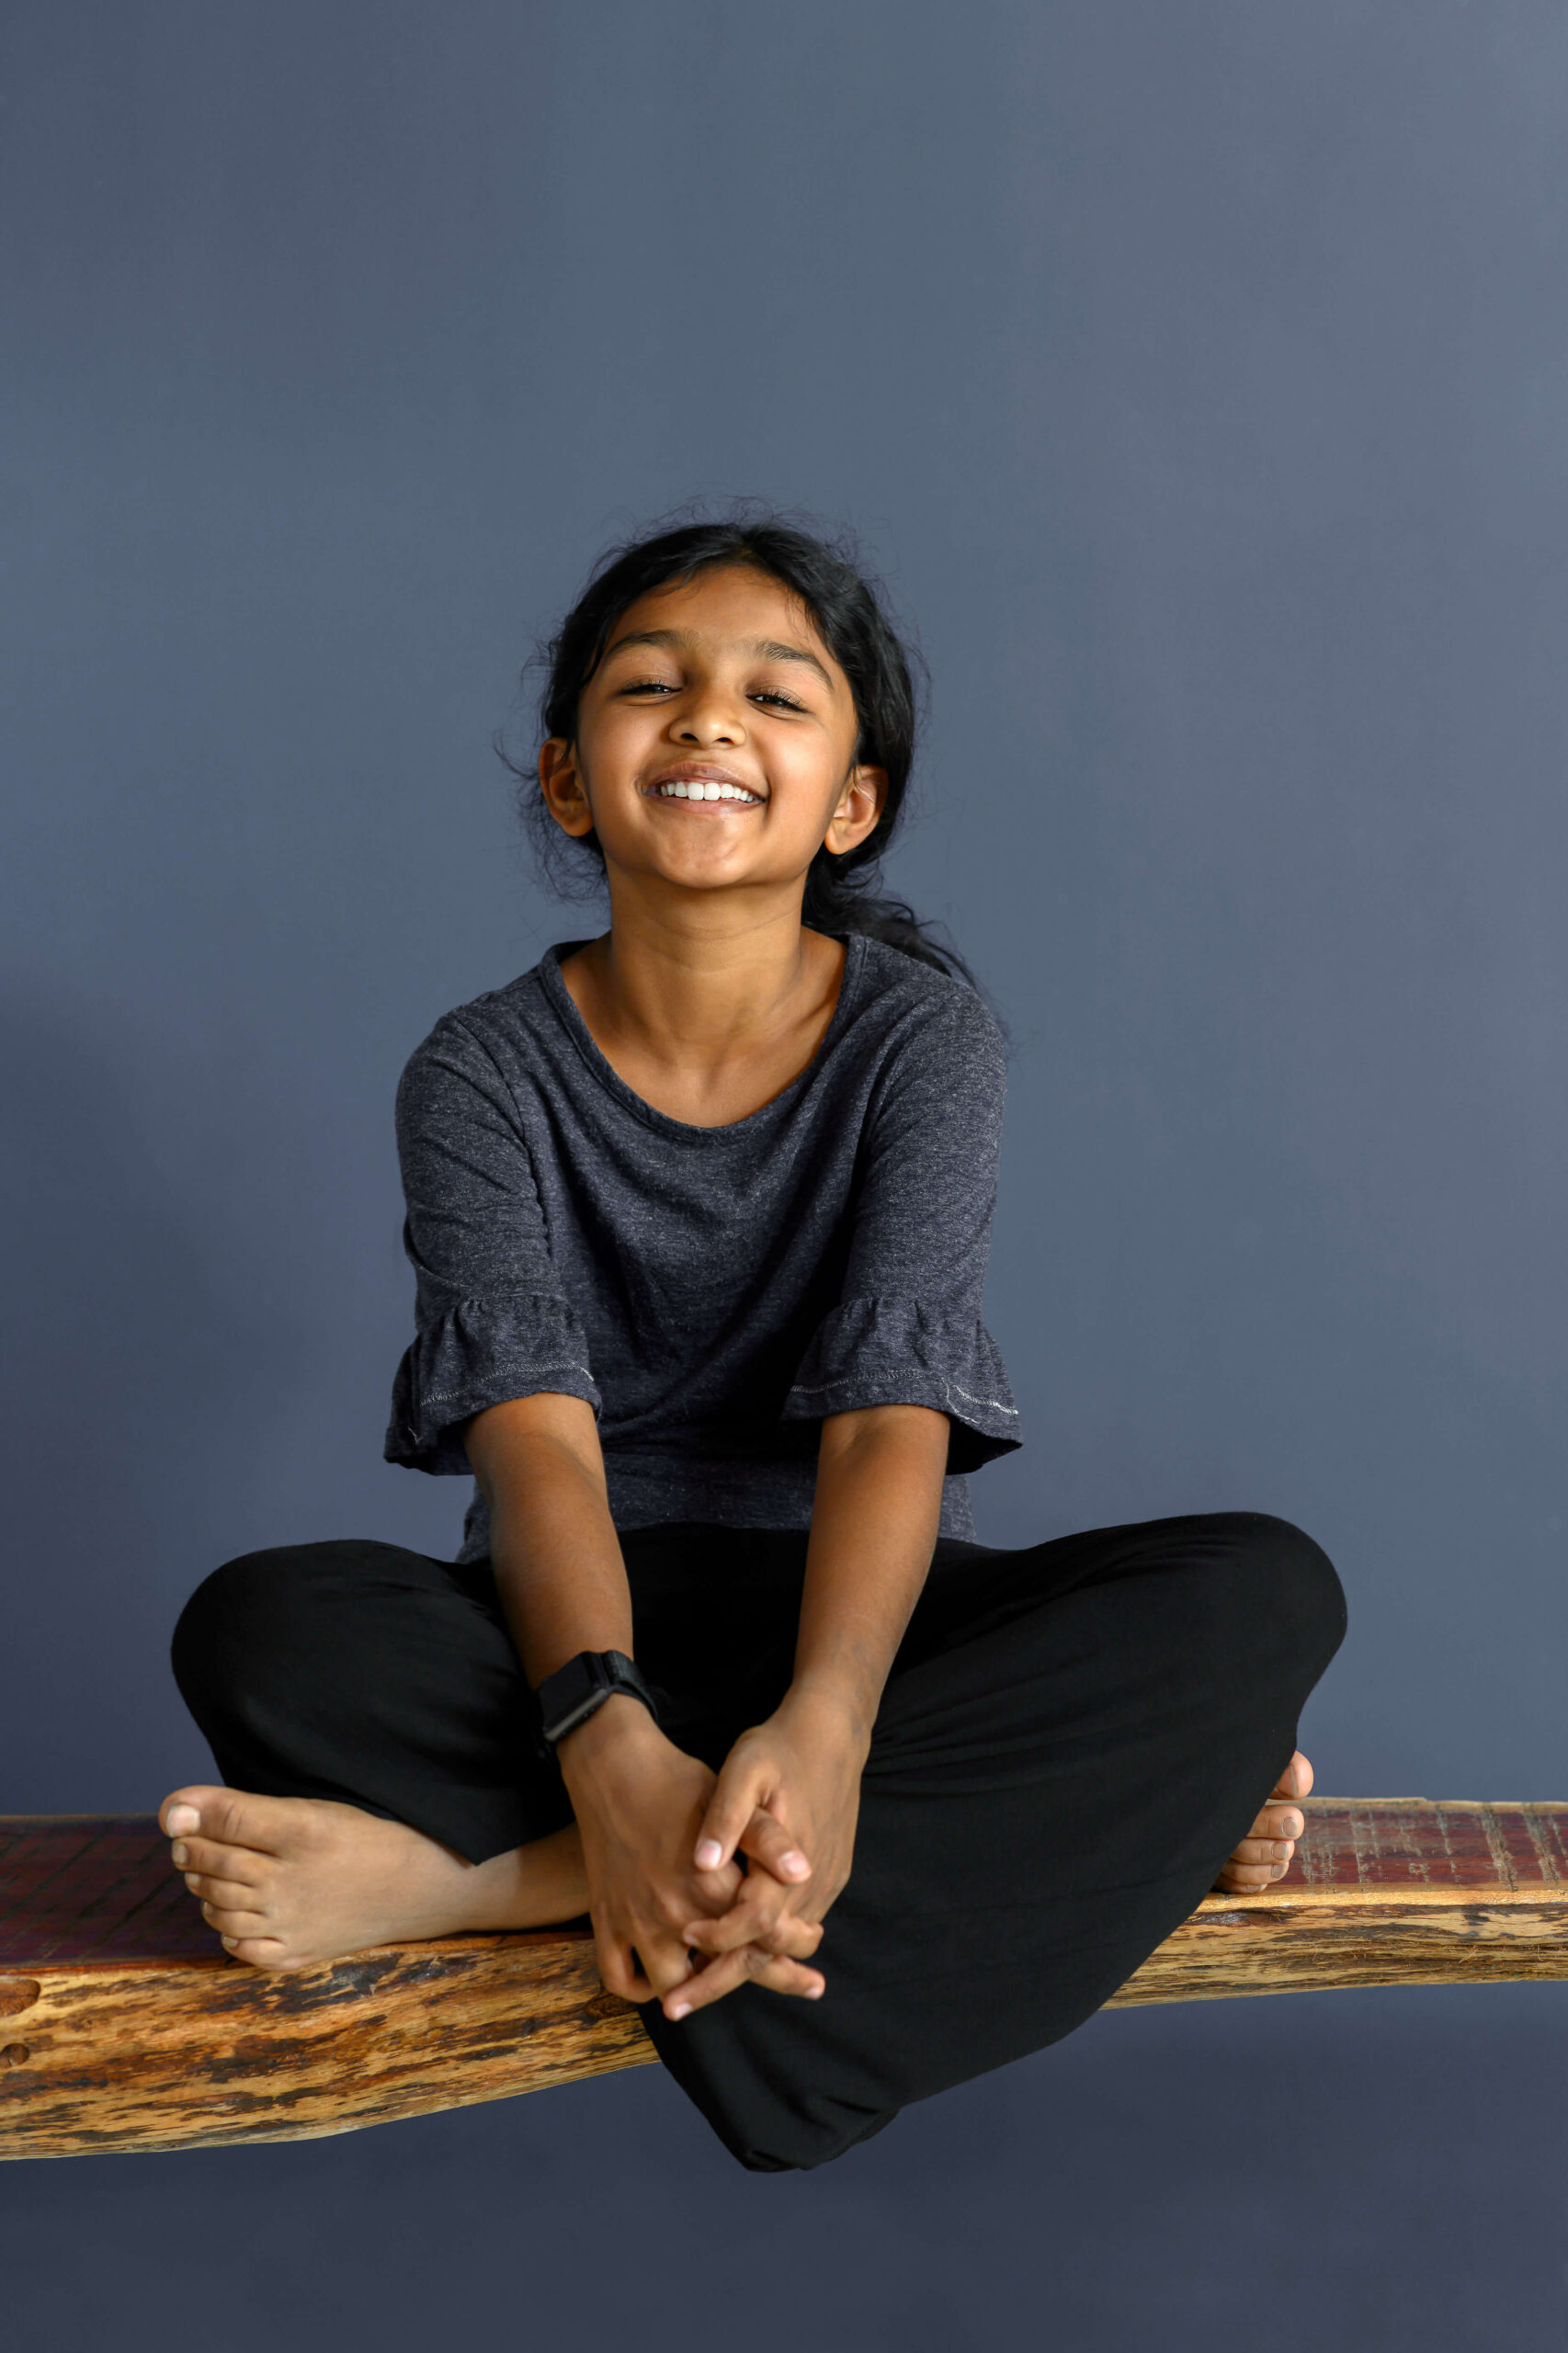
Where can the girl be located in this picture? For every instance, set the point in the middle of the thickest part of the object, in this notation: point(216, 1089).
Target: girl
point(699, 1211)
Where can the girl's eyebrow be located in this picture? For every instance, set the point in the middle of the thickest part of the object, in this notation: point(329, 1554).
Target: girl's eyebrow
point(767, 649)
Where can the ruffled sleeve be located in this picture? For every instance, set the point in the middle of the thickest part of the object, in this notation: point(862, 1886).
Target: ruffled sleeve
point(905, 1352)
point(907, 1328)
point(479, 1352)
point(492, 1319)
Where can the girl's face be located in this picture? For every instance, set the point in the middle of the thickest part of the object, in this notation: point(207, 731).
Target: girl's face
point(715, 742)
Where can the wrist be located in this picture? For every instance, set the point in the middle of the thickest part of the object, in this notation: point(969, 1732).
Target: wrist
point(831, 1710)
point(579, 1688)
point(619, 1723)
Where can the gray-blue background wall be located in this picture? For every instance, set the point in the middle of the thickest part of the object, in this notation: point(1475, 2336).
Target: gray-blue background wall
point(1198, 375)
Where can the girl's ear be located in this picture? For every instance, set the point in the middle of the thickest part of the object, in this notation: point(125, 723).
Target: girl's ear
point(859, 807)
point(562, 786)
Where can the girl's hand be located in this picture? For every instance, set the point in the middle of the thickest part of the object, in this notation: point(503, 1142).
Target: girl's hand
point(800, 1771)
point(640, 1804)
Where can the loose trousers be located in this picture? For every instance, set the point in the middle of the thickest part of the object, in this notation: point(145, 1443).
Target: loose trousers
point(1074, 1737)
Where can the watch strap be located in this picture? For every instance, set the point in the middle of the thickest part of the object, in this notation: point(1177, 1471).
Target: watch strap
point(570, 1696)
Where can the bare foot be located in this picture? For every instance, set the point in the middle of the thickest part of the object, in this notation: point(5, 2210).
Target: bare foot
point(1265, 1853)
point(287, 1881)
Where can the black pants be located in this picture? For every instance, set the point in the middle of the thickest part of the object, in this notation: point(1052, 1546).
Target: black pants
point(1073, 1738)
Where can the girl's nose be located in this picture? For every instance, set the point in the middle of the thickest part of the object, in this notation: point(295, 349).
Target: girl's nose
point(715, 720)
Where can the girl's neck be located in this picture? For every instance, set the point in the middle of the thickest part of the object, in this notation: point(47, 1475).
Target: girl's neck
point(707, 1016)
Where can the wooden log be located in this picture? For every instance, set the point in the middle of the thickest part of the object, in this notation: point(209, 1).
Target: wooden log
point(124, 2025)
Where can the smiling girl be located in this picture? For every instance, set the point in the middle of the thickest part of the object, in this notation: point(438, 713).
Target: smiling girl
point(699, 1211)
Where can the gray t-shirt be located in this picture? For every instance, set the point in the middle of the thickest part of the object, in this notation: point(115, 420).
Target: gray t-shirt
point(711, 1292)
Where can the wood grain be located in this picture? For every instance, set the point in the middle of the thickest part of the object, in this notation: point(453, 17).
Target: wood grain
point(124, 2025)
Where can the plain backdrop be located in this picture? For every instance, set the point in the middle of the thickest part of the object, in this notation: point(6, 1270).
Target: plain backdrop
point(1196, 373)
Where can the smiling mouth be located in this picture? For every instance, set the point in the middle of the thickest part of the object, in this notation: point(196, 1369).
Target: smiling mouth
point(706, 789)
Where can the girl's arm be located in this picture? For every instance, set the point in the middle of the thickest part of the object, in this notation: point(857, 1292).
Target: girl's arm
point(639, 1799)
point(907, 1386)
point(873, 1531)
point(538, 1462)
point(879, 1497)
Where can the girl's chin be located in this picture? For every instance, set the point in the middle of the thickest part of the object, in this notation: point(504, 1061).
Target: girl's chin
point(723, 869)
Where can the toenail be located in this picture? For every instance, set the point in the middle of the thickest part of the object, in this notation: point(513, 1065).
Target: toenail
point(180, 1852)
point(182, 1817)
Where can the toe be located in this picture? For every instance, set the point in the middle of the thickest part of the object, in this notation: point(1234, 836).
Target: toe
point(1296, 1780)
point(1277, 1821)
point(233, 1817)
point(262, 1952)
point(236, 1921)
point(1249, 1879)
point(212, 1858)
point(182, 1809)
point(225, 1895)
point(1264, 1850)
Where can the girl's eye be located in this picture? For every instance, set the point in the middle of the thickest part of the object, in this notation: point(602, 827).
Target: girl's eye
point(664, 686)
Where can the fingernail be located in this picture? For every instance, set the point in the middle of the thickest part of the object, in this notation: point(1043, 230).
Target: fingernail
point(681, 2010)
point(793, 1863)
point(816, 1993)
point(710, 1854)
point(180, 1852)
point(182, 1817)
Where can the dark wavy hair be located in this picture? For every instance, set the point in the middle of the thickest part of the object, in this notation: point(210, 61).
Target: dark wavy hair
point(843, 889)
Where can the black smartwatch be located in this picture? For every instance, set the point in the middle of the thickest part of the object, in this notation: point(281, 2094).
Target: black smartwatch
point(569, 1696)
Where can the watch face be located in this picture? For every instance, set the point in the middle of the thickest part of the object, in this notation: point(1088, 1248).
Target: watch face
point(578, 1677)
point(570, 1693)
point(574, 1691)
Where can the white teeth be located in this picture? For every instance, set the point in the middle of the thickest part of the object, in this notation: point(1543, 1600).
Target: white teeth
point(698, 788)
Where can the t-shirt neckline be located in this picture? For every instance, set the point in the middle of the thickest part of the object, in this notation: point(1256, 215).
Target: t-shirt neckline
point(564, 1007)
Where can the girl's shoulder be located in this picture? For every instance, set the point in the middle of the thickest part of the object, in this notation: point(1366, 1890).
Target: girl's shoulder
point(915, 999)
point(516, 1007)
point(492, 1035)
